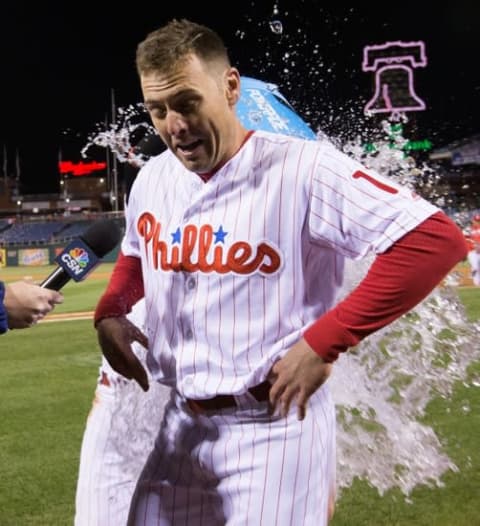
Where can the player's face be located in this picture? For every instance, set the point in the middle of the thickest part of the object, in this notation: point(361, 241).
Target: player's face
point(193, 110)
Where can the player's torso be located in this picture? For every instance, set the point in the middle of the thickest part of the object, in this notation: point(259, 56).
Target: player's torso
point(235, 269)
point(224, 261)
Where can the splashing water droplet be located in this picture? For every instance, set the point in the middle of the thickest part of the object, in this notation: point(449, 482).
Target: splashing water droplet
point(276, 27)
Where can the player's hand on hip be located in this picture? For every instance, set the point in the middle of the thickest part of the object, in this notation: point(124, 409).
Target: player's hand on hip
point(295, 377)
point(115, 336)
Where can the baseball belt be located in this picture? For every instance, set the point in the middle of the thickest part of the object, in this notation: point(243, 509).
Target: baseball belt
point(260, 392)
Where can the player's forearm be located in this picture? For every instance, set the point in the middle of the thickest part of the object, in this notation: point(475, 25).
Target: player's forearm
point(124, 289)
point(397, 281)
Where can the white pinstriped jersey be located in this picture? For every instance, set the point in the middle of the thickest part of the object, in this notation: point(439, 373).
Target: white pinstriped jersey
point(236, 268)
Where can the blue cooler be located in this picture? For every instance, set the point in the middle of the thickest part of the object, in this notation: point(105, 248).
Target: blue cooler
point(263, 107)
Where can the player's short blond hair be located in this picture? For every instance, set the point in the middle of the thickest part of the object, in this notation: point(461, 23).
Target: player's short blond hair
point(171, 45)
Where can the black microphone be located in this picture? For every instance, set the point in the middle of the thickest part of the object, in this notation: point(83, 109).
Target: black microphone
point(82, 255)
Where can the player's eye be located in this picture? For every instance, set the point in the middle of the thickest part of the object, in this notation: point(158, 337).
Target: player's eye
point(158, 112)
point(186, 106)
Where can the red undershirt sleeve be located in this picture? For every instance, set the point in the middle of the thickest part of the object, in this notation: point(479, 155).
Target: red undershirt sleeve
point(397, 280)
point(124, 289)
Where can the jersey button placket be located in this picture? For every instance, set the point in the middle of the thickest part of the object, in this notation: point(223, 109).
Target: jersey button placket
point(190, 285)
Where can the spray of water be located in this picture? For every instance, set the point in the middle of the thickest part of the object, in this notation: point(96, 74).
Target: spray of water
point(119, 137)
point(383, 386)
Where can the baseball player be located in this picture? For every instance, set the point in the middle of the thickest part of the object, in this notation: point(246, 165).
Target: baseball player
point(123, 421)
point(237, 240)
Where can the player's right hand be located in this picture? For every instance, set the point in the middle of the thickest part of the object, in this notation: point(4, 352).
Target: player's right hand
point(295, 377)
point(115, 336)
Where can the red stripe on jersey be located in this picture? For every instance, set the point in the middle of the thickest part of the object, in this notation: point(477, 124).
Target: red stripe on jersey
point(359, 174)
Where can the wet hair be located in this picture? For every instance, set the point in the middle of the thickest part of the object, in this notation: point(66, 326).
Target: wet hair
point(171, 45)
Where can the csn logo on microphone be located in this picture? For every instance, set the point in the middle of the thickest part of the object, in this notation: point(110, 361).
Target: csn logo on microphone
point(77, 259)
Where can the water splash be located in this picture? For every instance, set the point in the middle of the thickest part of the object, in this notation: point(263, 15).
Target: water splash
point(383, 386)
point(120, 136)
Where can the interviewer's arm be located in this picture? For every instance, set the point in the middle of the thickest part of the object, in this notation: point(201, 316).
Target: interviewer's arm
point(24, 304)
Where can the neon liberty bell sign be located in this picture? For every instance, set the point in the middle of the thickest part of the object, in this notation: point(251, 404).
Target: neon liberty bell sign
point(393, 64)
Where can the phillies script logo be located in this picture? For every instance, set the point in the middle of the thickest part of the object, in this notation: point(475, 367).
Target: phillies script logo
point(208, 245)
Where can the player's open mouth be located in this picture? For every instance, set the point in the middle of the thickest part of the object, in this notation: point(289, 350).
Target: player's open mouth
point(187, 149)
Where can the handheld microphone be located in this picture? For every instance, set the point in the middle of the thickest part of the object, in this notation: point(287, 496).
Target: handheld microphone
point(82, 255)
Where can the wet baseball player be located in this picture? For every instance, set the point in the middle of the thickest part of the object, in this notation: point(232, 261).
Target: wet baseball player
point(123, 420)
point(237, 239)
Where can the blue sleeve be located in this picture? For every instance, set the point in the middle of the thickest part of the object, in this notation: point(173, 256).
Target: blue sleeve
point(3, 312)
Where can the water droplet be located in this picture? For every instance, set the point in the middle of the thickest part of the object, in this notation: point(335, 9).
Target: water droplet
point(276, 27)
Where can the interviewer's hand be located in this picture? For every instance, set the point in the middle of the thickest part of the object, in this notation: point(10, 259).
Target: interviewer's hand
point(27, 303)
point(115, 336)
point(296, 376)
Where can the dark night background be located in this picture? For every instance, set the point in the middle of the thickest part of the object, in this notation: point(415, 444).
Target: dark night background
point(60, 65)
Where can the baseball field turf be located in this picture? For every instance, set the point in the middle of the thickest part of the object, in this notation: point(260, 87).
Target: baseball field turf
point(47, 378)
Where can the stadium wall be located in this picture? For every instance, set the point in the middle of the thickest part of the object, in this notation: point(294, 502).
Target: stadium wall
point(28, 256)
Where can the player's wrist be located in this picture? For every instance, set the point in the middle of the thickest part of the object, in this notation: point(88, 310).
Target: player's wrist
point(109, 307)
point(328, 337)
point(119, 299)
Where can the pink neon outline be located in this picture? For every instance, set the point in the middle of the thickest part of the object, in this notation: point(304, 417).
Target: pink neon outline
point(386, 98)
point(373, 59)
point(413, 47)
point(384, 89)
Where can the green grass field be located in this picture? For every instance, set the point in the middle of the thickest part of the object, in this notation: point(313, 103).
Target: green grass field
point(47, 379)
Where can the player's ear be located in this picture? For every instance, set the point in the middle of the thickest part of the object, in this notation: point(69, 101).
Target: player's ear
point(232, 84)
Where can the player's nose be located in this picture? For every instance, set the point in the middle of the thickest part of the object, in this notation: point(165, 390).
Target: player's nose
point(175, 123)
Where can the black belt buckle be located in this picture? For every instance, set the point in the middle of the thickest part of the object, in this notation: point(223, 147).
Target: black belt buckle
point(225, 401)
point(261, 392)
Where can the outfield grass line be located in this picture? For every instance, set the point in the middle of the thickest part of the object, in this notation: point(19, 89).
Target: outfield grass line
point(68, 316)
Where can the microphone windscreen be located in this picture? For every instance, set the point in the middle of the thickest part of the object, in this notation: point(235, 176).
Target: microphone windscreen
point(102, 237)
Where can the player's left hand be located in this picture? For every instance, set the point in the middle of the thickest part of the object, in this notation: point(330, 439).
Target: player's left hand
point(115, 336)
point(295, 377)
